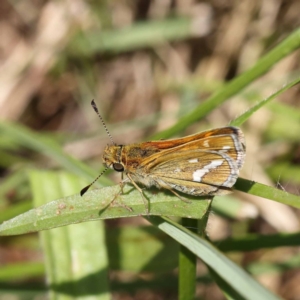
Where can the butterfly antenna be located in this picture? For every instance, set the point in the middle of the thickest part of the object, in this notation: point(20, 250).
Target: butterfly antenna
point(84, 190)
point(103, 123)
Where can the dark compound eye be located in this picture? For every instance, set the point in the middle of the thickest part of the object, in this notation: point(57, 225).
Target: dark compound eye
point(118, 167)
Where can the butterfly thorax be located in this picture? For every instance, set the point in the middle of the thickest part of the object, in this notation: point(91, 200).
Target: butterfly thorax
point(127, 158)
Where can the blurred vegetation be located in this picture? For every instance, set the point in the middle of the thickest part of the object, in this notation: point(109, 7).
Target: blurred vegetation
point(155, 69)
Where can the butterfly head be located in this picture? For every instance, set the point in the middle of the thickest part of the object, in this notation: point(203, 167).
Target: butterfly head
point(112, 157)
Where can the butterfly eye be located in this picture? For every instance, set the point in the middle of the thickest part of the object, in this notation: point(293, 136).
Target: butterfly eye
point(118, 167)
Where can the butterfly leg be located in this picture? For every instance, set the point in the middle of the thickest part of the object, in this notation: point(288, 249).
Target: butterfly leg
point(176, 194)
point(118, 194)
point(146, 202)
point(164, 185)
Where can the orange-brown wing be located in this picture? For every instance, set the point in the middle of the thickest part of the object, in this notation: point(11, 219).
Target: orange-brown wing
point(232, 145)
point(172, 143)
point(206, 167)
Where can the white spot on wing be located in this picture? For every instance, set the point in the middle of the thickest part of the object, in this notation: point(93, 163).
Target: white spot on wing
point(198, 174)
point(226, 147)
point(206, 143)
point(194, 160)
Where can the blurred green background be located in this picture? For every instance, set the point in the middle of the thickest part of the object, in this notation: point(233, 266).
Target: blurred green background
point(146, 64)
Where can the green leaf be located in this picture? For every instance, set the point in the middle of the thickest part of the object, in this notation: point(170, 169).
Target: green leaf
point(76, 261)
point(97, 204)
point(230, 273)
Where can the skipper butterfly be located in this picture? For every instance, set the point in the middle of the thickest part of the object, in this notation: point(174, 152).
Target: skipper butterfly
point(205, 163)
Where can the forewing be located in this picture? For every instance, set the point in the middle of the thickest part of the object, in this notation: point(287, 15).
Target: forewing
point(231, 145)
point(197, 166)
point(172, 143)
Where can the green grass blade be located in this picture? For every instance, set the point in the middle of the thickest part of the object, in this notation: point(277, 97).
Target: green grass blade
point(254, 242)
point(49, 147)
point(21, 271)
point(245, 116)
point(142, 34)
point(187, 267)
point(233, 275)
point(188, 260)
point(69, 251)
point(287, 46)
point(259, 189)
point(95, 205)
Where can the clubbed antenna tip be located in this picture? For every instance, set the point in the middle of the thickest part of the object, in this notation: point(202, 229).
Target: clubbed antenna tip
point(103, 123)
point(84, 190)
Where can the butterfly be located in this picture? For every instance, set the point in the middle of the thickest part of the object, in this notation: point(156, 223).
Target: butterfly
point(205, 163)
